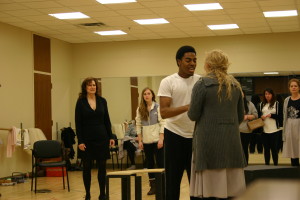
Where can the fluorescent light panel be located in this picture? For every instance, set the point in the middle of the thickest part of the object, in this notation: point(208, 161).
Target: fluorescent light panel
point(151, 21)
point(115, 1)
point(285, 13)
point(205, 6)
point(115, 32)
point(268, 73)
point(223, 26)
point(72, 15)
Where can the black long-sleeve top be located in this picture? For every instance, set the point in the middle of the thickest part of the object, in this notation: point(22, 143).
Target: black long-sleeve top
point(92, 125)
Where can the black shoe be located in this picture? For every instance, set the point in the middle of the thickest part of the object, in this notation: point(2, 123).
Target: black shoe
point(102, 197)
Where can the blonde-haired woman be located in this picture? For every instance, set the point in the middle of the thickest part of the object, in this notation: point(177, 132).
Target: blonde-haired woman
point(217, 107)
point(291, 123)
point(150, 131)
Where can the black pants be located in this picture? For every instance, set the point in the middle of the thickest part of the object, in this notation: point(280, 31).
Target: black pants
point(87, 167)
point(295, 161)
point(153, 155)
point(130, 151)
point(256, 141)
point(270, 142)
point(245, 139)
point(178, 154)
point(280, 142)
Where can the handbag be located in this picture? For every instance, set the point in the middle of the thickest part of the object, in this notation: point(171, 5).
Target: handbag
point(254, 124)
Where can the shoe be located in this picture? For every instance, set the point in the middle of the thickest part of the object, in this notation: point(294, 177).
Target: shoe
point(132, 167)
point(102, 197)
point(152, 190)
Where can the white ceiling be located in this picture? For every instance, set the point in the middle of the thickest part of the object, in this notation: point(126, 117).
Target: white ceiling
point(33, 15)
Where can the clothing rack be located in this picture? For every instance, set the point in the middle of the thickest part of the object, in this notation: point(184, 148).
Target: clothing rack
point(5, 129)
point(22, 133)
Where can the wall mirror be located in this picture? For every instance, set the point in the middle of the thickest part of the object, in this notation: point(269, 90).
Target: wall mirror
point(117, 91)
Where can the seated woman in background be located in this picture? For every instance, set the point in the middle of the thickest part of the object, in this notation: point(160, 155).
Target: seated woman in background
point(130, 143)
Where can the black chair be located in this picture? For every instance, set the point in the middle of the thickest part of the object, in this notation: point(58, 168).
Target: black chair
point(43, 150)
point(114, 151)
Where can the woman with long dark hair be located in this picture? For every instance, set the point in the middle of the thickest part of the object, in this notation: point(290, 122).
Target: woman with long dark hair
point(270, 111)
point(94, 134)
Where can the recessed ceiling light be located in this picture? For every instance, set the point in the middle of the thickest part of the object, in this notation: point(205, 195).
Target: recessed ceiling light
point(285, 13)
point(115, 1)
point(205, 6)
point(115, 32)
point(72, 15)
point(223, 26)
point(268, 73)
point(151, 21)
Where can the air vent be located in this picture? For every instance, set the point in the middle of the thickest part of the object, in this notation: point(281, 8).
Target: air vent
point(99, 24)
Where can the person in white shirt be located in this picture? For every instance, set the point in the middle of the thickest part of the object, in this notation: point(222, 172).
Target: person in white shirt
point(175, 96)
point(271, 112)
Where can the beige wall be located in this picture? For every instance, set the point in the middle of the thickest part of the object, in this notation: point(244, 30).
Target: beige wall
point(247, 53)
point(17, 91)
point(73, 62)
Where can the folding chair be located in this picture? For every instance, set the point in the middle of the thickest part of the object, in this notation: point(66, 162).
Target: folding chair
point(45, 149)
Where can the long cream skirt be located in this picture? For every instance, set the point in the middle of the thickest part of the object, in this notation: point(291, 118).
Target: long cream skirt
point(220, 183)
point(291, 145)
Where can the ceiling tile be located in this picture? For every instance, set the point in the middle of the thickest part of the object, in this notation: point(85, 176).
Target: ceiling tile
point(12, 6)
point(243, 4)
point(129, 12)
point(33, 15)
point(42, 4)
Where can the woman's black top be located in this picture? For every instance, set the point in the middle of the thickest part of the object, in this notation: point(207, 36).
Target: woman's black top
point(93, 128)
point(293, 109)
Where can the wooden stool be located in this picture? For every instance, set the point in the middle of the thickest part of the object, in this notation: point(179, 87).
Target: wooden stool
point(126, 186)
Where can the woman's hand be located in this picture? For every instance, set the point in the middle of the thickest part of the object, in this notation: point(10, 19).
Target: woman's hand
point(265, 116)
point(141, 146)
point(160, 144)
point(111, 142)
point(82, 147)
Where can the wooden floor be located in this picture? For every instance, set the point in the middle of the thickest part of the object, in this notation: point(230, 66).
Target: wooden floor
point(22, 191)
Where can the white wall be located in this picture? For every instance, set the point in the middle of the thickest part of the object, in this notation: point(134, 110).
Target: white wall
point(17, 90)
point(61, 66)
point(247, 53)
point(116, 91)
